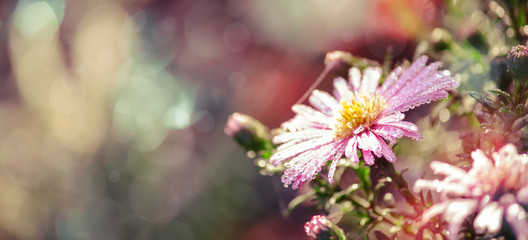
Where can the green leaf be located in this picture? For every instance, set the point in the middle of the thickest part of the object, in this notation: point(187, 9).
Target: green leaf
point(484, 100)
point(267, 147)
point(503, 94)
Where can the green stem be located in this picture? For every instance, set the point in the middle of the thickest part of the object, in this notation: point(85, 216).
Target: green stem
point(388, 169)
point(359, 202)
point(519, 92)
point(340, 233)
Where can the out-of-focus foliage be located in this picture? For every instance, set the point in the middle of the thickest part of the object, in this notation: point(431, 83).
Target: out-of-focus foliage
point(112, 112)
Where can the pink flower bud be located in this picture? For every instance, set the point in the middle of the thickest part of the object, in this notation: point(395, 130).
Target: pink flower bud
point(319, 227)
point(518, 62)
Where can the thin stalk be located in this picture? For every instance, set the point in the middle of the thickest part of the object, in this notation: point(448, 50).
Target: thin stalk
point(315, 84)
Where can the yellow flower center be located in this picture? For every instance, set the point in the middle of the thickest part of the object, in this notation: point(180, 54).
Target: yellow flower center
point(362, 111)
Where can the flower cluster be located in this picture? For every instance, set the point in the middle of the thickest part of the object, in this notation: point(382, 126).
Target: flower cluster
point(361, 115)
point(363, 118)
point(493, 189)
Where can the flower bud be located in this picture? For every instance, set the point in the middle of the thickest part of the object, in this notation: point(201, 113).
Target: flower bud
point(318, 228)
point(518, 63)
point(336, 60)
point(248, 132)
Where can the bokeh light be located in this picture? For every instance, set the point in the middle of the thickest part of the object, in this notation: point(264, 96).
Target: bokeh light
point(112, 112)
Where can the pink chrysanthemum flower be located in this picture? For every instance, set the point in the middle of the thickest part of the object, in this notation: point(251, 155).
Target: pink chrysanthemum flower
point(493, 189)
point(360, 115)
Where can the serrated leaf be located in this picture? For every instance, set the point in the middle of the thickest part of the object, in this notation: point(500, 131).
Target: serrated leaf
point(503, 94)
point(500, 92)
point(484, 100)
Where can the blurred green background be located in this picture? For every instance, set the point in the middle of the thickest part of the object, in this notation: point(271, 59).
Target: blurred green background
point(112, 111)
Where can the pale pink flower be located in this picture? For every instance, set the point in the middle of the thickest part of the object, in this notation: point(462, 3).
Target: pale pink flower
point(493, 189)
point(319, 225)
point(361, 115)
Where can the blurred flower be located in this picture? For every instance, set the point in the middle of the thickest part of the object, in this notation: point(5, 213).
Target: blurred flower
point(320, 228)
point(518, 62)
point(493, 189)
point(363, 116)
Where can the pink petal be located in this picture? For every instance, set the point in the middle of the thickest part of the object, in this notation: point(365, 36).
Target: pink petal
point(306, 166)
point(284, 154)
point(354, 76)
point(421, 87)
point(387, 151)
point(447, 169)
point(324, 102)
point(522, 195)
point(299, 136)
point(404, 104)
point(342, 90)
point(311, 114)
point(370, 80)
point(434, 211)
point(335, 160)
point(409, 129)
point(368, 141)
point(298, 123)
point(374, 143)
point(363, 141)
point(368, 158)
point(422, 184)
point(489, 218)
point(395, 117)
point(390, 80)
point(394, 87)
point(519, 225)
point(481, 163)
point(351, 150)
point(387, 132)
point(456, 212)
